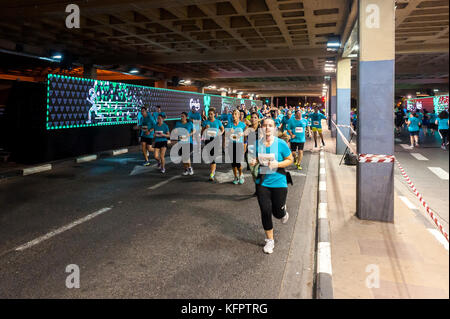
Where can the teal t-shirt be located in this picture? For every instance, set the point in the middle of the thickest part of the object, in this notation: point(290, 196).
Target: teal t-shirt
point(213, 129)
point(414, 124)
point(432, 117)
point(442, 124)
point(239, 128)
point(285, 122)
point(298, 127)
point(189, 127)
point(316, 119)
point(279, 150)
point(164, 129)
point(147, 121)
point(226, 119)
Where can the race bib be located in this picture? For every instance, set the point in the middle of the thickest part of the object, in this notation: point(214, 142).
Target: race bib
point(316, 122)
point(234, 137)
point(184, 138)
point(211, 133)
point(299, 130)
point(159, 133)
point(264, 159)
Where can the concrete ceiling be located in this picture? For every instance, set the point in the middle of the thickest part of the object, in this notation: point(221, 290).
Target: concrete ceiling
point(259, 46)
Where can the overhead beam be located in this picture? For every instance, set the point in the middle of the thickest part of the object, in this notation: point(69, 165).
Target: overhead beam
point(265, 74)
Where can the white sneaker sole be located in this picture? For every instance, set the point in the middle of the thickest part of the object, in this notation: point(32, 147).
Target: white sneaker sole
point(285, 219)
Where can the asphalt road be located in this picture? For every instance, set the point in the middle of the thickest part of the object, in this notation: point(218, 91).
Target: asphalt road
point(156, 236)
point(428, 168)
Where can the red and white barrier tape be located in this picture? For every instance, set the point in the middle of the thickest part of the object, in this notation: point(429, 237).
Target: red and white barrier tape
point(372, 158)
point(422, 201)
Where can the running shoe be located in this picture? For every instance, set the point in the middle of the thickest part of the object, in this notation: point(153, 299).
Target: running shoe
point(163, 170)
point(299, 167)
point(211, 177)
point(285, 218)
point(147, 163)
point(191, 171)
point(236, 181)
point(443, 147)
point(186, 172)
point(270, 244)
point(241, 180)
point(159, 164)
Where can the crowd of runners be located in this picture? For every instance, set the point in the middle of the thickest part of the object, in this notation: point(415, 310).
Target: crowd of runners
point(422, 120)
point(267, 139)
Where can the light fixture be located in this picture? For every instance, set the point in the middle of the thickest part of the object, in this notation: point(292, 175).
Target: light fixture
point(187, 82)
point(436, 90)
point(409, 96)
point(134, 71)
point(57, 56)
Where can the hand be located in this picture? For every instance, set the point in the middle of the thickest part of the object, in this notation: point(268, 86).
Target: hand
point(293, 136)
point(147, 132)
point(273, 165)
point(207, 126)
point(253, 162)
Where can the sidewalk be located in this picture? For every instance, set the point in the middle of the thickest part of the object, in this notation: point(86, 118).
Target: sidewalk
point(410, 261)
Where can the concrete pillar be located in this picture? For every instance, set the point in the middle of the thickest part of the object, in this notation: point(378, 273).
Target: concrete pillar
point(333, 106)
point(161, 84)
point(89, 71)
point(375, 181)
point(344, 81)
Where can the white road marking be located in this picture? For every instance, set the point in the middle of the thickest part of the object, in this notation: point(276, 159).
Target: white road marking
point(62, 229)
point(322, 186)
point(87, 158)
point(419, 156)
point(398, 140)
point(439, 172)
point(323, 210)
point(407, 202)
point(322, 171)
point(121, 151)
point(164, 182)
point(36, 169)
point(437, 234)
point(324, 260)
point(406, 146)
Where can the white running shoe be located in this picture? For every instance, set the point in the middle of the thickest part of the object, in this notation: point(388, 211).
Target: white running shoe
point(186, 172)
point(270, 244)
point(285, 218)
point(191, 171)
point(163, 170)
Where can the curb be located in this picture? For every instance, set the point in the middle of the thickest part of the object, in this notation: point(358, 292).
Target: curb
point(324, 278)
point(44, 167)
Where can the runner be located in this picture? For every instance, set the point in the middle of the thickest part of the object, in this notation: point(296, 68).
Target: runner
point(188, 128)
point(236, 133)
point(195, 118)
point(398, 120)
point(442, 123)
point(413, 129)
point(316, 120)
point(425, 122)
point(285, 120)
point(432, 117)
point(146, 125)
point(213, 127)
point(162, 133)
point(273, 155)
point(296, 129)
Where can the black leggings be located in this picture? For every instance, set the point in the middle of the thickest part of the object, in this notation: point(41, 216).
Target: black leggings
point(271, 201)
point(238, 150)
point(444, 136)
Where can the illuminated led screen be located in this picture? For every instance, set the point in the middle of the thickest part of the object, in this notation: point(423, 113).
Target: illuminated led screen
point(76, 102)
point(437, 103)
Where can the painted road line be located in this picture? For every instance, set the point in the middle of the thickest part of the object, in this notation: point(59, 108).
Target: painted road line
point(419, 156)
point(437, 234)
point(163, 182)
point(406, 146)
point(120, 151)
point(36, 169)
point(323, 210)
point(439, 172)
point(322, 186)
point(87, 158)
point(407, 202)
point(62, 229)
point(322, 171)
point(324, 258)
